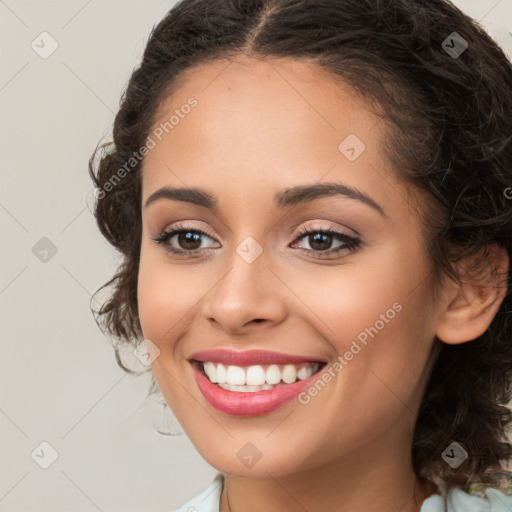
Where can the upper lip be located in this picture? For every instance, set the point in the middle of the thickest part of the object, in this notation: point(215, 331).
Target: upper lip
point(250, 357)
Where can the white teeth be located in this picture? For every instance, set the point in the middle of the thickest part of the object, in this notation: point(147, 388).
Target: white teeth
point(221, 373)
point(303, 373)
point(235, 376)
point(209, 369)
point(273, 375)
point(246, 389)
point(289, 374)
point(257, 377)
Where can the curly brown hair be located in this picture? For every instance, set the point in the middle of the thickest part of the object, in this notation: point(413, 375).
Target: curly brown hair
point(450, 116)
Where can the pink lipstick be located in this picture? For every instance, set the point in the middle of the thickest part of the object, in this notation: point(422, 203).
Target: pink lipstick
point(250, 400)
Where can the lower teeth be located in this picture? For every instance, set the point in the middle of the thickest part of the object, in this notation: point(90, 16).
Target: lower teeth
point(249, 389)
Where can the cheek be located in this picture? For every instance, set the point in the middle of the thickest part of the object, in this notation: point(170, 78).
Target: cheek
point(383, 357)
point(375, 315)
point(164, 294)
point(350, 297)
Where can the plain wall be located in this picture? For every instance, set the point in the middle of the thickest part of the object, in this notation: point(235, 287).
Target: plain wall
point(60, 382)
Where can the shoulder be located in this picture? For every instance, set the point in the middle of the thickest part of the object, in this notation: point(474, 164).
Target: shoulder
point(456, 500)
point(208, 500)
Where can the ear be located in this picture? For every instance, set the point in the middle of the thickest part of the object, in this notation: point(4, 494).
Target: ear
point(471, 306)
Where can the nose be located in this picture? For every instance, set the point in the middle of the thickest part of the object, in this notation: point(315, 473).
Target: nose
point(248, 297)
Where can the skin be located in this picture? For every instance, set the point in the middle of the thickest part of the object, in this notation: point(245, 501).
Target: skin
point(260, 127)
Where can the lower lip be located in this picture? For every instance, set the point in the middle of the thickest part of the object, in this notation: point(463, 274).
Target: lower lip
point(248, 403)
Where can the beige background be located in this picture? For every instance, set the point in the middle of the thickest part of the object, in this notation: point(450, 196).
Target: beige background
point(59, 379)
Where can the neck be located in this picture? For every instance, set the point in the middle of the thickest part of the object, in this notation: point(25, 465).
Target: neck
point(378, 478)
point(413, 497)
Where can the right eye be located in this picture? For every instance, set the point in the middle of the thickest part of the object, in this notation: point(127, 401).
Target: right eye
point(185, 236)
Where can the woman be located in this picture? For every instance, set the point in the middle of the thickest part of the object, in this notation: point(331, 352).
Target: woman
point(312, 200)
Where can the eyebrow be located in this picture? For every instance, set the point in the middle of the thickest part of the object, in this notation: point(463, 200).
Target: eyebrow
point(288, 197)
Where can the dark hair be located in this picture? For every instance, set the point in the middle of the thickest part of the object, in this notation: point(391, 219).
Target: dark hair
point(449, 118)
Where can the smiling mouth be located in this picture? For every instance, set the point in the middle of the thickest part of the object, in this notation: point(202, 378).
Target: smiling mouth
point(254, 378)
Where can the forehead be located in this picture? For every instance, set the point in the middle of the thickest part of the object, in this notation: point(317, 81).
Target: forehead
point(265, 96)
point(263, 123)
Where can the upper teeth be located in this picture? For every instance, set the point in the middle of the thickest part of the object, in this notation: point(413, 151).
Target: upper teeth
point(258, 375)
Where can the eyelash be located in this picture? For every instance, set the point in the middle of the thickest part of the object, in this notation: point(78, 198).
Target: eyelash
point(350, 243)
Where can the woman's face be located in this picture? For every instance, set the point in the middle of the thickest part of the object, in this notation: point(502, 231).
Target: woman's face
point(358, 298)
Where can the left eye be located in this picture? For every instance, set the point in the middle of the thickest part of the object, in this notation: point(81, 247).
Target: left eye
point(319, 238)
point(189, 241)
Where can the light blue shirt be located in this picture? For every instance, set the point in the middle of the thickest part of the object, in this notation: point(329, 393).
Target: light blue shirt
point(456, 500)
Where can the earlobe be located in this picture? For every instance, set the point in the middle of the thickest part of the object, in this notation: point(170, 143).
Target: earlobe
point(472, 305)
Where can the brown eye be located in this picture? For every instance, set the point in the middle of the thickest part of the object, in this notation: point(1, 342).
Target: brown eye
point(320, 241)
point(188, 240)
point(182, 240)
